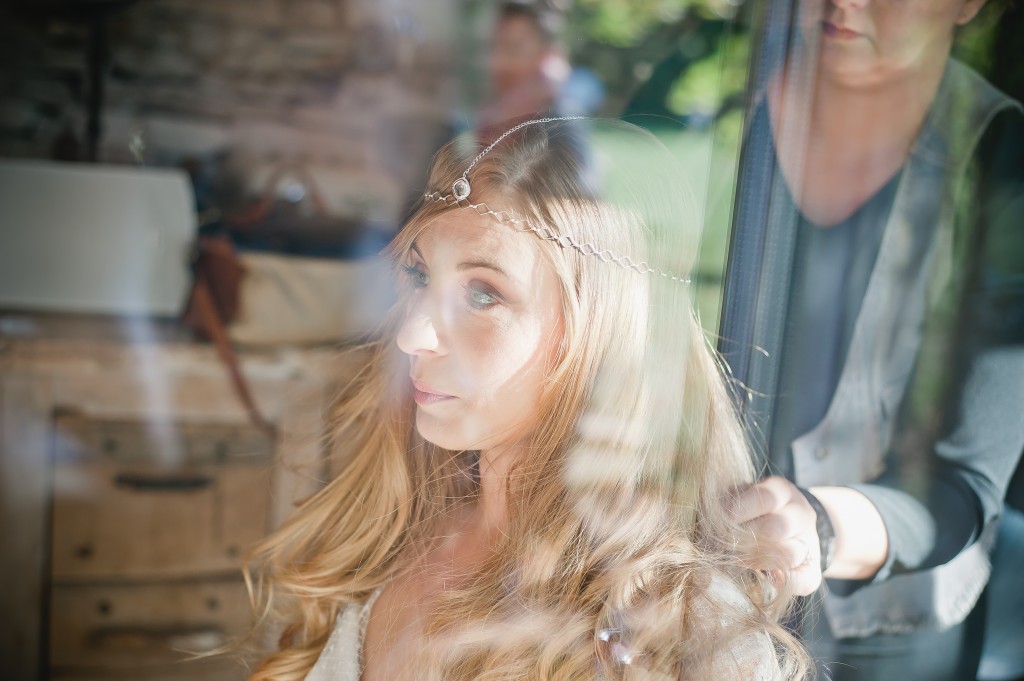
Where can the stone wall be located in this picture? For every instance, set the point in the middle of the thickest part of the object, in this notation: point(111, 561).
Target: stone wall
point(359, 91)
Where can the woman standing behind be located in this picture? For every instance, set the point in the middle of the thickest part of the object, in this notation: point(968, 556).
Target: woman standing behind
point(904, 177)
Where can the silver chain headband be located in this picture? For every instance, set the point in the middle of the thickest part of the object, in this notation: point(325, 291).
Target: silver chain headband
point(460, 195)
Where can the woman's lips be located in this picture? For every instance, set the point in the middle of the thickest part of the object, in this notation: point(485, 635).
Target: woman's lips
point(423, 394)
point(838, 32)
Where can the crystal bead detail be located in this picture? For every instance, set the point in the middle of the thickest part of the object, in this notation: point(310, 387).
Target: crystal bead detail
point(460, 189)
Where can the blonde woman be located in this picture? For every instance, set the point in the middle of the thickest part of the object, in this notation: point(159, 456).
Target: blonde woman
point(543, 445)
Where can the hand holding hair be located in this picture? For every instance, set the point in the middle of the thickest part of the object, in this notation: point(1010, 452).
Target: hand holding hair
point(783, 523)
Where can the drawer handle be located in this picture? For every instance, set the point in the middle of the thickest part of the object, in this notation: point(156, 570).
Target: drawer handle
point(157, 639)
point(160, 483)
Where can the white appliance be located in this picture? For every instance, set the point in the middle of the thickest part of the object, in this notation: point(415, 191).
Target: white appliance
point(98, 239)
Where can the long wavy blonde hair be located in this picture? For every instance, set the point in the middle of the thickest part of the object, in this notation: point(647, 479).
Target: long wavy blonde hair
point(617, 537)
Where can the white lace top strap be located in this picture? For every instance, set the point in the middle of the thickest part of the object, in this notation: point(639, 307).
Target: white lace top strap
point(342, 656)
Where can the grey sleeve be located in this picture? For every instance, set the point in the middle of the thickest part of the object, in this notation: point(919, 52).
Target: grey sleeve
point(930, 525)
point(935, 512)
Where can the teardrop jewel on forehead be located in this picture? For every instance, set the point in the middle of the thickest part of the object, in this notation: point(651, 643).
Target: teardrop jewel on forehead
point(460, 194)
point(460, 189)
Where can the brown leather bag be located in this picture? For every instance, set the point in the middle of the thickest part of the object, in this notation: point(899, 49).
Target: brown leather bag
point(213, 303)
point(219, 270)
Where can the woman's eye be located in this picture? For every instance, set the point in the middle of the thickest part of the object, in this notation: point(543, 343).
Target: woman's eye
point(418, 277)
point(481, 297)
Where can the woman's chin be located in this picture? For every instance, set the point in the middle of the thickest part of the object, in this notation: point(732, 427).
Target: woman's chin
point(442, 433)
point(456, 436)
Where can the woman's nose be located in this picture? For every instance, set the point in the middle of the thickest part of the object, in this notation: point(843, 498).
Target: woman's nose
point(418, 334)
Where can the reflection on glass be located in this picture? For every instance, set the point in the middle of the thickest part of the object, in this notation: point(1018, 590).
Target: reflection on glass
point(140, 456)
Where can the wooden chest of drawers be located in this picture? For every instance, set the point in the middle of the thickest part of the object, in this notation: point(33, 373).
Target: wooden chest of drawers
point(149, 523)
point(141, 500)
point(125, 630)
point(131, 485)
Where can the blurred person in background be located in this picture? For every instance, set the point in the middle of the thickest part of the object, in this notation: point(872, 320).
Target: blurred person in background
point(529, 73)
point(898, 410)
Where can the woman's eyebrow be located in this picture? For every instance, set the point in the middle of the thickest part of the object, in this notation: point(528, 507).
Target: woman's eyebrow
point(466, 264)
point(473, 264)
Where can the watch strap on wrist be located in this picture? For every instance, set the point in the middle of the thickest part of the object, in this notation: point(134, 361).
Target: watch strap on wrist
point(823, 526)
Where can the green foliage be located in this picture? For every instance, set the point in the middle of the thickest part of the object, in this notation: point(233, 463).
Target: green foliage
point(707, 83)
point(628, 23)
point(624, 23)
point(681, 66)
point(974, 42)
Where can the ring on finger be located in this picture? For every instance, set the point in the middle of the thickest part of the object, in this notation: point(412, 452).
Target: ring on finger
point(807, 555)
